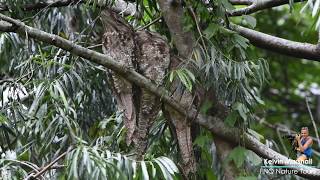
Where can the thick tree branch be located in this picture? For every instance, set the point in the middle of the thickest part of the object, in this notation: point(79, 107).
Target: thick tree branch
point(256, 5)
point(119, 6)
point(280, 45)
point(6, 27)
point(41, 5)
point(212, 123)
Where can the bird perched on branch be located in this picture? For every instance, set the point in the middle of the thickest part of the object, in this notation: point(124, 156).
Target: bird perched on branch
point(153, 62)
point(148, 54)
point(119, 43)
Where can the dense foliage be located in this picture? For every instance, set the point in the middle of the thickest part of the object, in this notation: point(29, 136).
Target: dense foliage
point(56, 106)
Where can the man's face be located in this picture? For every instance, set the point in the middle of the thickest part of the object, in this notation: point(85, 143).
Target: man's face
point(304, 133)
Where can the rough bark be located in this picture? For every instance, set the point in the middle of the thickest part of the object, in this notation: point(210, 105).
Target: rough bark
point(280, 45)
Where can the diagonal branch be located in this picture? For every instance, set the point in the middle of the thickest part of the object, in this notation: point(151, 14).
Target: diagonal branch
point(41, 5)
point(49, 166)
point(214, 124)
point(280, 45)
point(119, 6)
point(241, 2)
point(256, 5)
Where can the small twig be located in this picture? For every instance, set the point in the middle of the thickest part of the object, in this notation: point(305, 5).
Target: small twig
point(313, 122)
point(26, 163)
point(319, 37)
point(50, 165)
point(58, 166)
point(241, 2)
point(94, 46)
point(198, 28)
point(149, 24)
point(6, 80)
point(257, 5)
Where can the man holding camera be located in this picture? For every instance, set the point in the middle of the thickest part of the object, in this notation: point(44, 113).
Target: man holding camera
point(304, 145)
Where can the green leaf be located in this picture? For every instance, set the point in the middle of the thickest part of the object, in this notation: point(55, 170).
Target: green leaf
point(250, 20)
point(206, 106)
point(242, 110)
point(227, 4)
point(202, 141)
point(165, 173)
point(231, 119)
point(211, 30)
point(170, 164)
point(255, 134)
point(168, 168)
point(193, 78)
point(171, 77)
point(210, 175)
point(241, 41)
point(291, 3)
point(253, 158)
point(247, 178)
point(62, 95)
point(144, 170)
point(153, 170)
point(183, 75)
point(237, 155)
point(3, 119)
point(315, 8)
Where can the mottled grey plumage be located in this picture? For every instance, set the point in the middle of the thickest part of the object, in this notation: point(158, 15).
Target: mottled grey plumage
point(153, 62)
point(118, 43)
point(149, 52)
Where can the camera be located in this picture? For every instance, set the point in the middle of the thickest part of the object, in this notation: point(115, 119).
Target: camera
point(289, 137)
point(292, 139)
